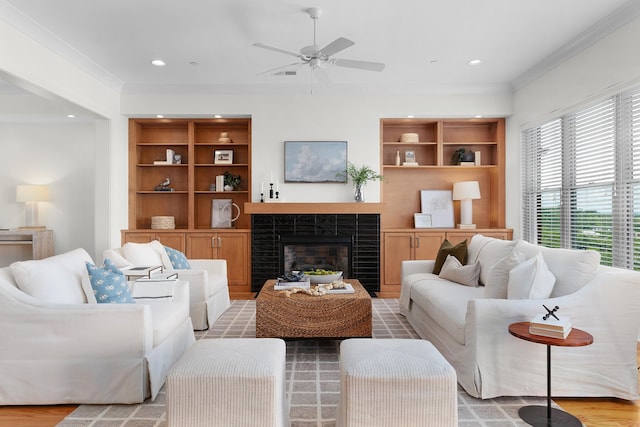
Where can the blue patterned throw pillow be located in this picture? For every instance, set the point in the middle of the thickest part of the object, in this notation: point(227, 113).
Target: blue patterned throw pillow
point(178, 259)
point(109, 284)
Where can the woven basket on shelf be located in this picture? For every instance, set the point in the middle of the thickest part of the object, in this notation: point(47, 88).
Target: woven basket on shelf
point(163, 223)
point(409, 137)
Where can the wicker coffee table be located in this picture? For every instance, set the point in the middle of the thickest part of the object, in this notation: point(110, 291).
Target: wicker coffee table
point(305, 316)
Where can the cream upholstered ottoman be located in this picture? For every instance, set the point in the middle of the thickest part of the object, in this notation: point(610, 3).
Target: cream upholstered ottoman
point(229, 382)
point(395, 382)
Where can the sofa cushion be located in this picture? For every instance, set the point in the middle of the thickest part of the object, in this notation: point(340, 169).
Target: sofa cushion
point(454, 271)
point(530, 280)
point(152, 253)
point(166, 315)
point(572, 268)
point(488, 251)
point(497, 279)
point(178, 259)
point(109, 284)
point(446, 248)
point(444, 301)
point(57, 279)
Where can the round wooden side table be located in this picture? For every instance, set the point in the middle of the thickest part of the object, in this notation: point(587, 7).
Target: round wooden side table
point(541, 416)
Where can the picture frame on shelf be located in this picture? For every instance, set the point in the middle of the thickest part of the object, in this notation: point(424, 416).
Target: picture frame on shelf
point(223, 157)
point(422, 220)
point(315, 161)
point(438, 204)
point(410, 156)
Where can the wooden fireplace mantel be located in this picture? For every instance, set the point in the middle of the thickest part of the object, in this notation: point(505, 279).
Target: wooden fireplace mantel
point(312, 208)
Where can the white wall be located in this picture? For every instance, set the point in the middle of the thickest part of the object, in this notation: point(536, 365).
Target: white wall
point(31, 66)
point(61, 156)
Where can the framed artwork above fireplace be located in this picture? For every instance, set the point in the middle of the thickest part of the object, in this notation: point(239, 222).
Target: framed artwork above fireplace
point(315, 161)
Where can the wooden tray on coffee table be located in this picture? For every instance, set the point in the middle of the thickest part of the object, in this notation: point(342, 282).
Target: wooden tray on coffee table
point(304, 316)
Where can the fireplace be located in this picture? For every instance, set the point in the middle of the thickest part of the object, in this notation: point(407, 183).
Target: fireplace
point(360, 233)
point(309, 252)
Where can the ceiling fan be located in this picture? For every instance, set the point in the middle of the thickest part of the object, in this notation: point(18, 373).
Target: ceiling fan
point(319, 58)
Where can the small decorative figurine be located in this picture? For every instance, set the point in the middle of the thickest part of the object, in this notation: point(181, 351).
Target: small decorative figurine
point(550, 312)
point(164, 186)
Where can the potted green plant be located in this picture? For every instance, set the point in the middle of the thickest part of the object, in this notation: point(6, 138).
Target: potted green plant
point(231, 181)
point(360, 177)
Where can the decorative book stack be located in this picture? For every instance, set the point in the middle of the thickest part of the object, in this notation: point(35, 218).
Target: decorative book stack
point(550, 326)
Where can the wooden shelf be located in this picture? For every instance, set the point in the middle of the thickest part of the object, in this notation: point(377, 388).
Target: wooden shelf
point(196, 140)
point(312, 208)
point(402, 185)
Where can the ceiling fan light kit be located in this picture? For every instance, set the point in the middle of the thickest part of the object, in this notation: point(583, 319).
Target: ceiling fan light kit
point(318, 59)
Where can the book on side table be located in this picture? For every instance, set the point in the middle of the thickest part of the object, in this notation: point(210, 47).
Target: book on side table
point(550, 327)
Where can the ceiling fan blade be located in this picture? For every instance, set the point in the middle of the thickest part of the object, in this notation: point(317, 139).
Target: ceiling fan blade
point(336, 46)
point(276, 49)
point(361, 65)
point(295, 64)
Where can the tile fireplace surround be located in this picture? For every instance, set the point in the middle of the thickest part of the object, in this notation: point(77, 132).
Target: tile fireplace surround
point(270, 221)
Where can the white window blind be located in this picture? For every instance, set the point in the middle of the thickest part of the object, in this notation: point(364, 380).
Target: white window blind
point(581, 178)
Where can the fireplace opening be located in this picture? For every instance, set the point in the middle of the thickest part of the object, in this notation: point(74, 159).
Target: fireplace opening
point(304, 253)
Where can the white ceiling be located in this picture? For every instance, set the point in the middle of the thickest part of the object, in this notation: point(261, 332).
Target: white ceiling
point(425, 44)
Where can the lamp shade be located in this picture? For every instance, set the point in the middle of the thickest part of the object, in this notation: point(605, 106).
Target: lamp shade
point(32, 193)
point(466, 190)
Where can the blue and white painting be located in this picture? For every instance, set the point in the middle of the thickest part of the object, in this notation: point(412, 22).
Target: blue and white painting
point(315, 161)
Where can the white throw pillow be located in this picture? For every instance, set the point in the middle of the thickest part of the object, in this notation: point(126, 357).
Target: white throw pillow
point(57, 279)
point(147, 254)
point(453, 270)
point(498, 276)
point(488, 251)
point(531, 280)
point(572, 268)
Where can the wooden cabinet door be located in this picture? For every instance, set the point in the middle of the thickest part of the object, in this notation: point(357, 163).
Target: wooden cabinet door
point(234, 247)
point(398, 247)
point(427, 245)
point(173, 240)
point(455, 237)
point(138, 237)
point(201, 245)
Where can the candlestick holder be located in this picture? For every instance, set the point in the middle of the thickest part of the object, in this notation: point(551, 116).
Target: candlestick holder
point(277, 194)
point(271, 190)
point(261, 197)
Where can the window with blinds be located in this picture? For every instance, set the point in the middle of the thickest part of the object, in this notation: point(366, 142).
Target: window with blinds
point(581, 181)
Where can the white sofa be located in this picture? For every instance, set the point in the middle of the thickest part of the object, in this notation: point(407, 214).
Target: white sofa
point(208, 284)
point(57, 348)
point(471, 330)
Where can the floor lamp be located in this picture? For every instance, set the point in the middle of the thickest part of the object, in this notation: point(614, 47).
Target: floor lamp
point(31, 195)
point(466, 192)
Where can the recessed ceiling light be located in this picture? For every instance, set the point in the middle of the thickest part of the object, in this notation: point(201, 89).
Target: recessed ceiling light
point(159, 116)
point(478, 116)
point(217, 116)
point(410, 116)
point(474, 62)
point(158, 62)
point(71, 116)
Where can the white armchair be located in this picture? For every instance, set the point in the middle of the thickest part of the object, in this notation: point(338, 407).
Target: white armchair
point(57, 352)
point(207, 278)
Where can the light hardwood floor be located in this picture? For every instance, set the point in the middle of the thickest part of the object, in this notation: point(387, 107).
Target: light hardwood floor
point(593, 412)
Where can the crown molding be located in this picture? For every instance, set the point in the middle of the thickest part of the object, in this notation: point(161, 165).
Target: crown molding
point(615, 20)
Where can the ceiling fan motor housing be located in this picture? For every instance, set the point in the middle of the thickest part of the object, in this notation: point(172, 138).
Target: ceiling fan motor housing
point(314, 12)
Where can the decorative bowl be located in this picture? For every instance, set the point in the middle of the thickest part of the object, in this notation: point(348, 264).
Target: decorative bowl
point(323, 278)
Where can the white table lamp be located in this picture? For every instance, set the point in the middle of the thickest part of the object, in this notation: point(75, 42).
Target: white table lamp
point(466, 192)
point(31, 195)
